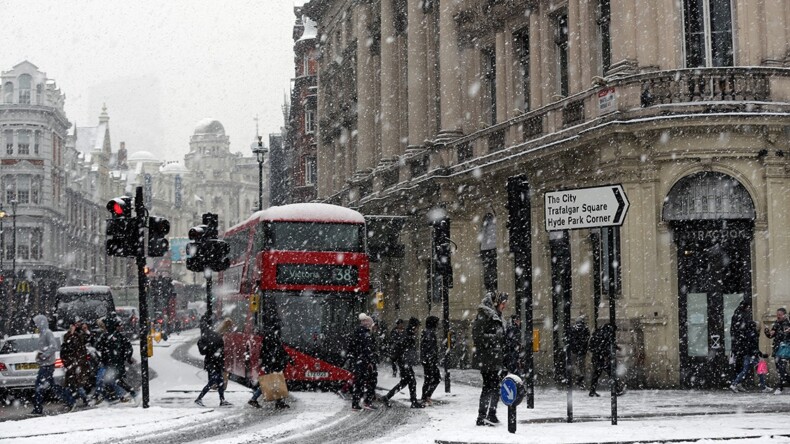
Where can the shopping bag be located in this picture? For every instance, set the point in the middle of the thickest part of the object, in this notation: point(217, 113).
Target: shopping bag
point(273, 386)
point(783, 351)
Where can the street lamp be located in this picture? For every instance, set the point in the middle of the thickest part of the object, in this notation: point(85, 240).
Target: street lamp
point(2, 239)
point(260, 154)
point(13, 244)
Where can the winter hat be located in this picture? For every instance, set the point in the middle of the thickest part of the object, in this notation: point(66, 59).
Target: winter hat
point(500, 298)
point(365, 319)
point(414, 322)
point(431, 322)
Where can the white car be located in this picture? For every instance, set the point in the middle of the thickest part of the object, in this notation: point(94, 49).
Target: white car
point(18, 367)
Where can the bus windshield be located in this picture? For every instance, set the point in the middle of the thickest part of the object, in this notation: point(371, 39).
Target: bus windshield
point(312, 236)
point(319, 324)
point(88, 307)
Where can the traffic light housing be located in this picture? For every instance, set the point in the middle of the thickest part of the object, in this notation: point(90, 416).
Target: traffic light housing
point(204, 249)
point(123, 232)
point(158, 228)
point(441, 250)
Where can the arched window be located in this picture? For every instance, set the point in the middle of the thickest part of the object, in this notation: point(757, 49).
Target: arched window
point(39, 94)
point(23, 142)
point(25, 82)
point(8, 92)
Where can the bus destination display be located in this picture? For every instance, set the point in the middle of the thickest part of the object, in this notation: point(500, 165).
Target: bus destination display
point(317, 274)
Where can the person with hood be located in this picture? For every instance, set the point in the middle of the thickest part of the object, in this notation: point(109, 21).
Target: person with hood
point(405, 355)
point(74, 354)
point(362, 355)
point(115, 351)
point(601, 349)
point(48, 347)
point(273, 359)
point(514, 348)
point(488, 334)
point(212, 346)
point(749, 349)
point(429, 355)
point(579, 340)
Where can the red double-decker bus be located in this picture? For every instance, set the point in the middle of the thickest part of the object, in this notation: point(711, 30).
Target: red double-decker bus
point(308, 263)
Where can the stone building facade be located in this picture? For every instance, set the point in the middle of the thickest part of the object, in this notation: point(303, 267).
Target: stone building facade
point(441, 104)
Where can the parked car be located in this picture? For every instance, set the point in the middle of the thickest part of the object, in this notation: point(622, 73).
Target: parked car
point(129, 318)
point(18, 367)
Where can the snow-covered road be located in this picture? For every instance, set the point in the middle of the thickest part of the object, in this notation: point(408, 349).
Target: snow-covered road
point(316, 417)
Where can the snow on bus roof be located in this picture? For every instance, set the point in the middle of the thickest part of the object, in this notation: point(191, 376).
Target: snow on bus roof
point(306, 212)
point(84, 288)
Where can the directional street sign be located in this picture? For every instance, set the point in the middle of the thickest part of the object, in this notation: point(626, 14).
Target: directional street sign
point(508, 391)
point(595, 207)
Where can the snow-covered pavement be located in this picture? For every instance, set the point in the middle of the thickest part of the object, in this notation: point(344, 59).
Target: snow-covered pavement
point(316, 417)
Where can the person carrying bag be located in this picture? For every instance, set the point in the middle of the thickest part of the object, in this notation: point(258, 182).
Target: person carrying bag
point(273, 360)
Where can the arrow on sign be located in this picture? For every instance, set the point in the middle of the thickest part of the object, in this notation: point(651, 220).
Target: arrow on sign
point(595, 207)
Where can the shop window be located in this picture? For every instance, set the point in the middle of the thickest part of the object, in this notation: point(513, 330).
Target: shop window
point(709, 38)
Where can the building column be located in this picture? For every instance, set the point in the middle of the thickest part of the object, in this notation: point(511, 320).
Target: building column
point(623, 32)
point(366, 88)
point(417, 76)
point(449, 73)
point(390, 142)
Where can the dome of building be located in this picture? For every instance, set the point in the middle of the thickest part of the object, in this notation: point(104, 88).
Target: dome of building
point(142, 156)
point(209, 127)
point(173, 168)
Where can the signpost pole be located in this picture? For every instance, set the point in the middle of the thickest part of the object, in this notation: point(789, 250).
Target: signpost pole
point(614, 268)
point(139, 207)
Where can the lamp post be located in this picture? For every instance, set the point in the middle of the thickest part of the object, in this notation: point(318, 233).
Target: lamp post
point(260, 154)
point(2, 240)
point(13, 244)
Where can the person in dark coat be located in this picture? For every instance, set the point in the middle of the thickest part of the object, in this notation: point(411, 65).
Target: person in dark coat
point(74, 354)
point(406, 357)
point(514, 348)
point(362, 353)
point(429, 357)
point(780, 332)
point(115, 351)
point(738, 331)
point(488, 333)
point(273, 359)
point(749, 349)
point(396, 335)
point(579, 340)
point(601, 349)
point(212, 346)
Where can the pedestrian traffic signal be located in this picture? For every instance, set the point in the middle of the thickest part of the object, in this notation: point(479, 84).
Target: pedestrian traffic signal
point(123, 231)
point(158, 227)
point(217, 254)
point(195, 259)
point(441, 249)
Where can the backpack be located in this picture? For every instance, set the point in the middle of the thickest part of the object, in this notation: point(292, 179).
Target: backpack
point(202, 346)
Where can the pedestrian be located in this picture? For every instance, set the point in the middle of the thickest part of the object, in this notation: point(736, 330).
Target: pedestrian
point(601, 348)
point(748, 347)
point(779, 332)
point(406, 358)
point(396, 335)
point(361, 353)
point(429, 357)
point(48, 348)
point(513, 348)
point(741, 315)
point(273, 359)
point(488, 334)
point(74, 354)
point(579, 339)
point(762, 373)
point(212, 346)
point(115, 351)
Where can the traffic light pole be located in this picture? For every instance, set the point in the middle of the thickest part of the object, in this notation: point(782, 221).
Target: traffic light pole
point(139, 207)
point(209, 302)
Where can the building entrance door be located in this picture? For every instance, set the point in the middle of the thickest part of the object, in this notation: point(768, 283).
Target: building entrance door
point(714, 276)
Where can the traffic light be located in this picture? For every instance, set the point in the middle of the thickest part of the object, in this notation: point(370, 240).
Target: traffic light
point(158, 227)
point(441, 250)
point(195, 260)
point(123, 232)
point(205, 250)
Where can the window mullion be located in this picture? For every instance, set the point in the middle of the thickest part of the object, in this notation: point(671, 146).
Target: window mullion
point(708, 33)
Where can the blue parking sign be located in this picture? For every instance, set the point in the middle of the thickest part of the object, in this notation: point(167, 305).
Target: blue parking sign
point(508, 391)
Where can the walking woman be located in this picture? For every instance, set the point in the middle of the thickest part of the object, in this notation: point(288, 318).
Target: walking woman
point(405, 355)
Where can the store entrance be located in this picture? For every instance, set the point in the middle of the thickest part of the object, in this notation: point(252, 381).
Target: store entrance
point(711, 216)
point(714, 276)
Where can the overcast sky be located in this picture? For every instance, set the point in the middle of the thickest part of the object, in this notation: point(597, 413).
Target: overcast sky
point(160, 66)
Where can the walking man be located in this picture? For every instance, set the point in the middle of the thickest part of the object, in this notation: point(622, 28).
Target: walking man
point(780, 332)
point(212, 346)
point(273, 359)
point(601, 349)
point(115, 351)
point(45, 358)
point(488, 333)
point(74, 354)
point(579, 339)
point(429, 355)
point(749, 349)
point(406, 357)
